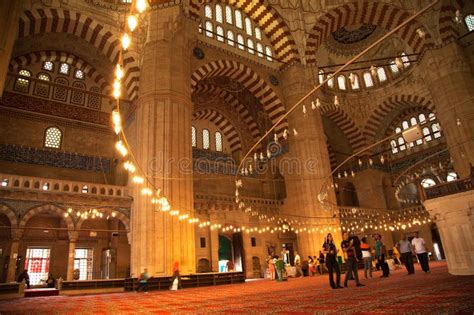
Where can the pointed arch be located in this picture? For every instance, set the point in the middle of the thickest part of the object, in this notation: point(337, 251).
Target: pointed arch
point(251, 80)
point(10, 213)
point(49, 209)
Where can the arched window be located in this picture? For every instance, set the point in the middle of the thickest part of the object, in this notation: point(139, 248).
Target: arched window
point(64, 68)
point(368, 80)
point(238, 18)
point(218, 141)
point(79, 74)
point(208, 11)
point(240, 42)
point(469, 19)
point(393, 144)
point(405, 60)
point(228, 14)
point(405, 125)
point(42, 89)
point(23, 84)
point(268, 52)
point(381, 74)
point(427, 182)
point(250, 47)
point(193, 136)
point(401, 144)
point(321, 76)
point(219, 17)
point(258, 33)
point(421, 118)
point(431, 116)
point(436, 130)
point(52, 138)
point(209, 29)
point(60, 93)
point(451, 176)
point(427, 134)
point(330, 81)
point(78, 97)
point(393, 67)
point(355, 82)
point(206, 142)
point(413, 121)
point(94, 101)
point(230, 38)
point(341, 82)
point(248, 27)
point(220, 33)
point(260, 49)
point(398, 130)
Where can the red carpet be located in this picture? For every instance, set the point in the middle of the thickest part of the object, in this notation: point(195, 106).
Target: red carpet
point(434, 293)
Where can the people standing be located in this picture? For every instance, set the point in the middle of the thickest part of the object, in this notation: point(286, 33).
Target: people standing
point(367, 257)
point(405, 248)
point(271, 267)
point(322, 264)
point(176, 280)
point(280, 268)
point(297, 262)
point(419, 246)
point(331, 263)
point(348, 247)
point(380, 254)
point(24, 276)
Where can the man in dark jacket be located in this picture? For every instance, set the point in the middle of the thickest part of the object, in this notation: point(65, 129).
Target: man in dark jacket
point(24, 276)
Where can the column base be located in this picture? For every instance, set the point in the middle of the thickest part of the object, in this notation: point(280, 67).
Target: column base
point(454, 217)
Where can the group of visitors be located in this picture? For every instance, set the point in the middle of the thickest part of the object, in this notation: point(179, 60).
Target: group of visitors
point(175, 279)
point(356, 250)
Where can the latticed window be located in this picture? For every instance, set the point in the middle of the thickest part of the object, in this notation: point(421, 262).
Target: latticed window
point(330, 81)
point(368, 80)
point(23, 84)
point(228, 14)
point(94, 101)
point(248, 27)
point(206, 141)
point(53, 138)
point(219, 17)
point(240, 42)
point(393, 67)
point(79, 74)
point(258, 33)
point(238, 18)
point(355, 82)
point(78, 97)
point(48, 66)
point(220, 33)
point(250, 46)
point(260, 49)
point(341, 82)
point(42, 89)
point(83, 261)
point(218, 141)
point(405, 60)
point(193, 136)
point(60, 93)
point(381, 74)
point(469, 19)
point(209, 29)
point(268, 52)
point(208, 11)
point(230, 38)
point(64, 68)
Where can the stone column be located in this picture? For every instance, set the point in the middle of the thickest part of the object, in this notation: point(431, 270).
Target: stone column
point(73, 236)
point(161, 137)
point(16, 236)
point(454, 218)
point(10, 11)
point(449, 78)
point(306, 166)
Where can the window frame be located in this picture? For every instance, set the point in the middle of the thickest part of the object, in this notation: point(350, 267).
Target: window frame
point(61, 137)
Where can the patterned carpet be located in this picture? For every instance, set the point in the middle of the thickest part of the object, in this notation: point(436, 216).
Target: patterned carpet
point(434, 293)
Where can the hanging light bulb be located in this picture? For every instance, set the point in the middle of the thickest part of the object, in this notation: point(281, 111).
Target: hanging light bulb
point(382, 160)
point(116, 119)
point(250, 169)
point(121, 148)
point(360, 162)
point(269, 154)
point(126, 40)
point(313, 105)
point(458, 122)
point(116, 94)
point(295, 133)
point(304, 110)
point(345, 174)
point(373, 71)
point(261, 156)
point(275, 138)
point(339, 175)
point(336, 101)
point(399, 63)
point(285, 134)
point(138, 180)
point(371, 162)
point(421, 33)
point(458, 17)
point(141, 6)
point(132, 22)
point(255, 156)
point(246, 171)
point(352, 174)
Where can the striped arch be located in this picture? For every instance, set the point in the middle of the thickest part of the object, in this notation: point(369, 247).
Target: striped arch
point(118, 215)
point(252, 81)
point(6, 210)
point(230, 99)
point(58, 56)
point(223, 124)
point(449, 30)
point(55, 20)
point(345, 123)
point(268, 20)
point(49, 209)
point(374, 122)
point(355, 13)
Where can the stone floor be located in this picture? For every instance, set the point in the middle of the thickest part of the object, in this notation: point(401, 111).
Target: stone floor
point(434, 293)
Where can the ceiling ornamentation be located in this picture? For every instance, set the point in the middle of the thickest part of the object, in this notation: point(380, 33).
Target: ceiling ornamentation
point(347, 36)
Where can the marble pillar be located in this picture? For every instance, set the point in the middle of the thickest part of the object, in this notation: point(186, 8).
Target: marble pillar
point(10, 11)
point(454, 217)
point(15, 244)
point(160, 134)
point(449, 79)
point(73, 236)
point(306, 167)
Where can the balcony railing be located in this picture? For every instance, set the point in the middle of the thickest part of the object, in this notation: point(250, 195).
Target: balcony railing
point(48, 185)
point(449, 188)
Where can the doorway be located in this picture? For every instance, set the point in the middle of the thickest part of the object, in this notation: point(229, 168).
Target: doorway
point(231, 252)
